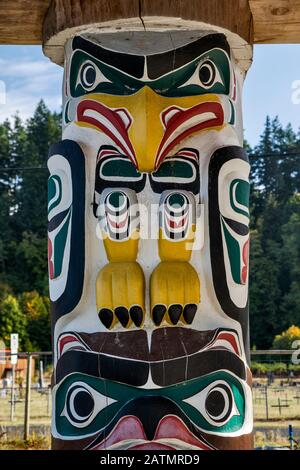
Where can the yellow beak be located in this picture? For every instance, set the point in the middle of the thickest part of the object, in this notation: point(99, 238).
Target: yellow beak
point(148, 129)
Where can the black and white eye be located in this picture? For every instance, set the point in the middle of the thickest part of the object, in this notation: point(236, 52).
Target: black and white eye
point(206, 76)
point(207, 73)
point(219, 403)
point(90, 76)
point(83, 403)
point(216, 403)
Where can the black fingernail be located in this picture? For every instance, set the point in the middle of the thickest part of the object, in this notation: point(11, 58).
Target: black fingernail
point(122, 315)
point(158, 313)
point(175, 312)
point(106, 317)
point(189, 313)
point(137, 315)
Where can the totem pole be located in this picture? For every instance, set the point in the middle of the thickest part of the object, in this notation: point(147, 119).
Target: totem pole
point(148, 245)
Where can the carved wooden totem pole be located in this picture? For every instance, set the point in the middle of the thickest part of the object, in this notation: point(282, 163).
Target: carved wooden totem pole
point(149, 236)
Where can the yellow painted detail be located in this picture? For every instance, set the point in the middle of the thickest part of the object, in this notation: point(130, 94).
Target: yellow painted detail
point(176, 250)
point(147, 130)
point(122, 251)
point(174, 283)
point(120, 285)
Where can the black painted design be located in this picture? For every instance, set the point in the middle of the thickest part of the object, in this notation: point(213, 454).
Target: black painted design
point(158, 65)
point(71, 296)
point(219, 158)
point(164, 372)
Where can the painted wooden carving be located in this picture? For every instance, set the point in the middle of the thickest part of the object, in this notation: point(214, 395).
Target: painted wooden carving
point(148, 251)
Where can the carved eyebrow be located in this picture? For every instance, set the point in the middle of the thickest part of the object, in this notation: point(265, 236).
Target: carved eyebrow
point(133, 67)
point(161, 64)
point(157, 64)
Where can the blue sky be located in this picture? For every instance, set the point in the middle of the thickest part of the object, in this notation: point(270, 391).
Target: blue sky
point(29, 76)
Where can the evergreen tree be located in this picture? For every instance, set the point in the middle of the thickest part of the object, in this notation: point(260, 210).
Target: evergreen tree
point(264, 295)
point(42, 130)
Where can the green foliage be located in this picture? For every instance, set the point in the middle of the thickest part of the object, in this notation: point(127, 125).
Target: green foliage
point(23, 220)
point(275, 228)
point(258, 368)
point(264, 293)
point(36, 309)
point(277, 368)
point(286, 338)
point(12, 320)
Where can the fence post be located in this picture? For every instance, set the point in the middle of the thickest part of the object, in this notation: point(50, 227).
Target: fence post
point(27, 398)
point(12, 395)
point(267, 404)
point(48, 401)
point(291, 437)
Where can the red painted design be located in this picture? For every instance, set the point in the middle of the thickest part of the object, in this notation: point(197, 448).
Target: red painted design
point(245, 261)
point(177, 223)
point(179, 118)
point(104, 153)
point(114, 118)
point(69, 338)
point(117, 225)
point(188, 153)
point(170, 427)
point(227, 336)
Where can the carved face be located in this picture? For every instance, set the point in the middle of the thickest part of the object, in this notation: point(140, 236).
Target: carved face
point(148, 251)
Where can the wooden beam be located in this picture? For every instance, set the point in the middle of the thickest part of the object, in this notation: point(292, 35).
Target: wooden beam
point(234, 15)
point(276, 21)
point(65, 14)
point(65, 18)
point(21, 21)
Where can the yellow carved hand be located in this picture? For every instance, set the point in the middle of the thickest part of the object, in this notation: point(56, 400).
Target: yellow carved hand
point(120, 292)
point(175, 292)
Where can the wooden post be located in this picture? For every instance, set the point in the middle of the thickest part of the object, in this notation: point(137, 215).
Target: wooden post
point(48, 400)
point(267, 404)
point(12, 397)
point(27, 398)
point(150, 93)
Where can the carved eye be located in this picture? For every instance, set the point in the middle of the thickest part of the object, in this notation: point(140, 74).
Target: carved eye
point(205, 76)
point(207, 73)
point(216, 403)
point(83, 403)
point(90, 76)
point(79, 404)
